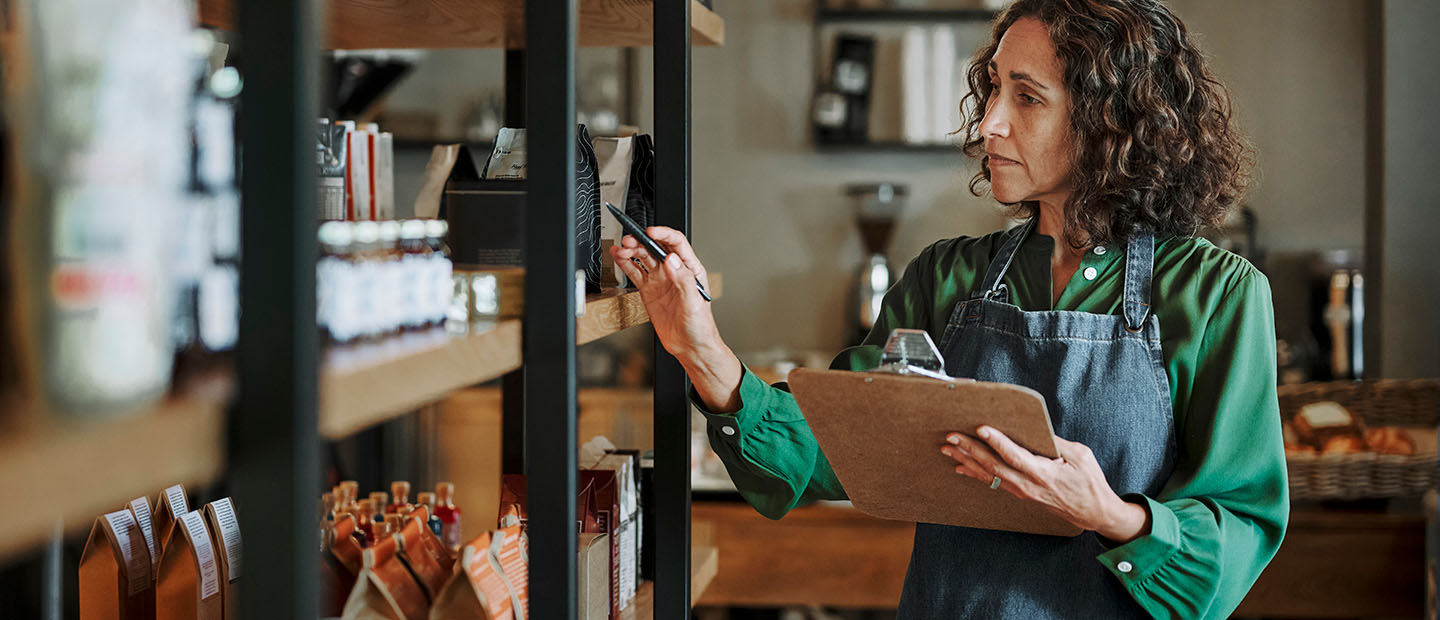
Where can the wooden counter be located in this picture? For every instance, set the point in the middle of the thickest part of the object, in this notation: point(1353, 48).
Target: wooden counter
point(1333, 563)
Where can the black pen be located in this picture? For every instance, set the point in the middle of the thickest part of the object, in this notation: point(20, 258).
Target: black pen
point(659, 253)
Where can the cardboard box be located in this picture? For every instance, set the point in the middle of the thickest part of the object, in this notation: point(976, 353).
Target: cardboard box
point(593, 581)
point(189, 584)
point(225, 537)
point(115, 574)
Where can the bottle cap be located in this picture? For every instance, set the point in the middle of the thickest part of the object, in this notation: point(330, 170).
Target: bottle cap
point(400, 490)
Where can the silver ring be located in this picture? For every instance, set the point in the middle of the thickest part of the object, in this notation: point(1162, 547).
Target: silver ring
point(995, 483)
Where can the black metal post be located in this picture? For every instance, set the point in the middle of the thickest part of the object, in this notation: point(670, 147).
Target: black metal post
point(550, 434)
point(514, 88)
point(274, 433)
point(512, 422)
point(672, 386)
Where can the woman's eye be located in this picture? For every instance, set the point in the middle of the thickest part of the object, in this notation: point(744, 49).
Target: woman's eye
point(1028, 99)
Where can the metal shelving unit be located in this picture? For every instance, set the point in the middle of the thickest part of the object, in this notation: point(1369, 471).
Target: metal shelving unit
point(290, 393)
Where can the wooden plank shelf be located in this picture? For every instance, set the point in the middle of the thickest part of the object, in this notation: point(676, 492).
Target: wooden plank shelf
point(704, 565)
point(73, 472)
point(368, 383)
point(435, 24)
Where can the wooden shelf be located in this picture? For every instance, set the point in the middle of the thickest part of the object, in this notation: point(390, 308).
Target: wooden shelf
point(365, 384)
point(73, 472)
point(704, 564)
point(365, 24)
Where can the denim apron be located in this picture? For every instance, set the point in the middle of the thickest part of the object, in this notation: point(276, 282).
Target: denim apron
point(1103, 379)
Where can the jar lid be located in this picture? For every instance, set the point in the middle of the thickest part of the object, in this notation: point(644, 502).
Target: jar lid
point(412, 230)
point(367, 232)
point(389, 231)
point(336, 233)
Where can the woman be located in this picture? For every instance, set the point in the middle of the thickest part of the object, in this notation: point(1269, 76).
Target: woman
point(1104, 128)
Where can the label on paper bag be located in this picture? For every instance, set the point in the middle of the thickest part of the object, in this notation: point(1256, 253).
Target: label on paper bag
point(175, 495)
point(140, 507)
point(229, 533)
point(132, 550)
point(194, 526)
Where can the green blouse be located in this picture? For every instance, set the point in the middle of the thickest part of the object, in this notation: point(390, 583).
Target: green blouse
point(1221, 516)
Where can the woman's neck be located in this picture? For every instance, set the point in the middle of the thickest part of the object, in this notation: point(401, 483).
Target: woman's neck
point(1064, 259)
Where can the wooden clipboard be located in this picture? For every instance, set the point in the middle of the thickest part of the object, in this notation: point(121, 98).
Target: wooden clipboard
point(882, 433)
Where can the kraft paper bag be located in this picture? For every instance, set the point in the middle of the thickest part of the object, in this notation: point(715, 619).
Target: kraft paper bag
point(115, 581)
point(189, 583)
point(386, 588)
point(225, 537)
point(493, 581)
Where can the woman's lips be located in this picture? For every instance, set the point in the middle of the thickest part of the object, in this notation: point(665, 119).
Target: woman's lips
point(996, 160)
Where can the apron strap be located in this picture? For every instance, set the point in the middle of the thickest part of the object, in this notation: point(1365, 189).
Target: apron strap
point(1139, 270)
point(991, 286)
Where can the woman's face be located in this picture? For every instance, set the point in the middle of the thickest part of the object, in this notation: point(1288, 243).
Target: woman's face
point(1027, 119)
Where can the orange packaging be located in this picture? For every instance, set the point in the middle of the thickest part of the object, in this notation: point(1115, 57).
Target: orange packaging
point(225, 537)
point(425, 555)
point(115, 581)
point(140, 509)
point(385, 588)
point(189, 583)
point(168, 506)
point(493, 582)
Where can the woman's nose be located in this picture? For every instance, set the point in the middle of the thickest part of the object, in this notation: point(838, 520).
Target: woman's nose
point(996, 123)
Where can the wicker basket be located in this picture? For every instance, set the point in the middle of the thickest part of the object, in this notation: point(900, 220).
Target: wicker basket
point(1411, 403)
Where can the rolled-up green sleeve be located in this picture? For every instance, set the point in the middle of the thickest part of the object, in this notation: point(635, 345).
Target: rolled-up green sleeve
point(768, 448)
point(1221, 517)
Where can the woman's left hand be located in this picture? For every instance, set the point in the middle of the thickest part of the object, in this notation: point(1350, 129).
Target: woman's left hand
point(1072, 486)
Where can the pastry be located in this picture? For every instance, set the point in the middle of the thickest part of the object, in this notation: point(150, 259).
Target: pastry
point(1318, 423)
point(1343, 444)
point(1389, 440)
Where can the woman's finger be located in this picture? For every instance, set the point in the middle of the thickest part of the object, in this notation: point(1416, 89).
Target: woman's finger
point(1015, 456)
point(637, 251)
point(676, 243)
point(632, 271)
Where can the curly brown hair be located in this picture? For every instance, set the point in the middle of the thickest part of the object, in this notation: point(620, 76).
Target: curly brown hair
point(1155, 143)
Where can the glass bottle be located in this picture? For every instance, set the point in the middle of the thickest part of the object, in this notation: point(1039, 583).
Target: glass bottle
point(368, 265)
point(415, 265)
point(331, 271)
point(392, 279)
point(400, 491)
point(427, 499)
point(441, 287)
point(449, 514)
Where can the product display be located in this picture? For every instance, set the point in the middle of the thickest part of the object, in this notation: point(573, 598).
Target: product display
point(486, 206)
point(171, 562)
point(103, 147)
point(375, 279)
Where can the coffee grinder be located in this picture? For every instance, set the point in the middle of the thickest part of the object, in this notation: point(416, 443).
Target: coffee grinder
point(876, 206)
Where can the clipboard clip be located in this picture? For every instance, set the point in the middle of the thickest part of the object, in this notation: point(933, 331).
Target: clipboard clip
point(912, 352)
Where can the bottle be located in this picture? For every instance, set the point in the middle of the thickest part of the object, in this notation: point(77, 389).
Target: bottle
point(351, 490)
point(392, 279)
point(364, 522)
point(327, 506)
point(415, 266)
point(368, 266)
point(448, 513)
point(427, 499)
point(442, 287)
point(400, 490)
point(334, 290)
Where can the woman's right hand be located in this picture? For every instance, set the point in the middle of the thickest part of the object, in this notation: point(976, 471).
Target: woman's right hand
point(681, 317)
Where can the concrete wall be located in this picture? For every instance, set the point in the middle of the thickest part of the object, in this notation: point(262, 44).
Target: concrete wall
point(1409, 267)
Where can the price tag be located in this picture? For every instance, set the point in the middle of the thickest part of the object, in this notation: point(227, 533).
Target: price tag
point(140, 507)
point(122, 525)
point(194, 525)
point(229, 534)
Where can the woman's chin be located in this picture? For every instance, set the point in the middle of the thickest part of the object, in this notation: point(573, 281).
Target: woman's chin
point(1005, 194)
